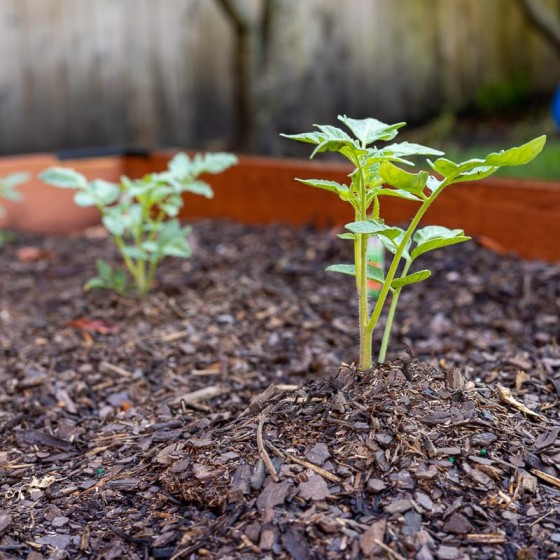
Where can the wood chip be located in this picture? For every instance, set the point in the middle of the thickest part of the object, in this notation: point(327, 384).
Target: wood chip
point(374, 534)
point(204, 394)
point(485, 538)
point(546, 439)
point(506, 397)
point(555, 481)
point(262, 451)
point(107, 367)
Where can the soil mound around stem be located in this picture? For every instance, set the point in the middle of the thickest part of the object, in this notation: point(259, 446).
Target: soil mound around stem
point(401, 461)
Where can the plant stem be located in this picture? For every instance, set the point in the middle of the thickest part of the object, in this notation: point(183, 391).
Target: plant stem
point(361, 277)
point(391, 316)
point(360, 256)
point(374, 319)
point(152, 271)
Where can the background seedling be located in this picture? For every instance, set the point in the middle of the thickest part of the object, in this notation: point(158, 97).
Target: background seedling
point(8, 191)
point(141, 214)
point(375, 175)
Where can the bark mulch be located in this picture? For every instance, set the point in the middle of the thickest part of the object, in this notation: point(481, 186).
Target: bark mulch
point(214, 418)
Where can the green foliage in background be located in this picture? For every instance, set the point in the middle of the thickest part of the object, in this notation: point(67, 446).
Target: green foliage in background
point(8, 191)
point(503, 97)
point(142, 214)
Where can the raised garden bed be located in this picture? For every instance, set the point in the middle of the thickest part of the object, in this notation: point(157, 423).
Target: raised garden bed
point(262, 190)
point(129, 430)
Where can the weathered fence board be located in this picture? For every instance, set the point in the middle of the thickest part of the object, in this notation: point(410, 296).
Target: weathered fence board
point(159, 72)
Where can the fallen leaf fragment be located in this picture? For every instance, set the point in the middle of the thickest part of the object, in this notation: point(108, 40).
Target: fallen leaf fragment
point(30, 254)
point(93, 326)
point(492, 244)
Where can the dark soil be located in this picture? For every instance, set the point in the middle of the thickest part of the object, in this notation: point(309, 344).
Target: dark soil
point(213, 419)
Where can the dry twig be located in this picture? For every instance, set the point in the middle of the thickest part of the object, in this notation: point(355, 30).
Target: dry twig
point(262, 451)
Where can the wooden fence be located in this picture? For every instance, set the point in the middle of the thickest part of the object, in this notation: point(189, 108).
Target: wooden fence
point(160, 72)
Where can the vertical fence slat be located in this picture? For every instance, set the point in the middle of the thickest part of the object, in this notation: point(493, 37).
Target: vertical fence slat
point(78, 72)
point(13, 114)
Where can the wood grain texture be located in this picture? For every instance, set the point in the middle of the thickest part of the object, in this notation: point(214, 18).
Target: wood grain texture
point(83, 73)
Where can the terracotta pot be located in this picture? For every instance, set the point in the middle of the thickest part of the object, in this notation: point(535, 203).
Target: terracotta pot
point(508, 215)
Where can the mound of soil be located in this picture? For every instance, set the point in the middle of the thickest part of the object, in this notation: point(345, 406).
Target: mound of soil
point(400, 461)
point(209, 420)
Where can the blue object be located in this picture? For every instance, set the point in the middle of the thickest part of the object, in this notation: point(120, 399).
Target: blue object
point(556, 107)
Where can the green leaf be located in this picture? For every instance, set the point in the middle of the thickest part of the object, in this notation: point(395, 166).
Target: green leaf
point(392, 244)
point(519, 155)
point(334, 139)
point(8, 184)
point(199, 187)
point(333, 186)
point(14, 179)
point(373, 227)
point(349, 269)
point(433, 183)
point(122, 218)
point(180, 165)
point(104, 192)
point(95, 283)
point(370, 130)
point(413, 278)
point(9, 193)
point(213, 162)
point(402, 180)
point(474, 169)
point(64, 178)
point(171, 207)
point(134, 252)
point(410, 149)
point(307, 137)
point(375, 157)
point(373, 272)
point(398, 193)
point(108, 278)
point(475, 174)
point(84, 198)
point(328, 138)
point(177, 248)
point(114, 224)
point(104, 269)
point(430, 238)
point(346, 235)
point(445, 167)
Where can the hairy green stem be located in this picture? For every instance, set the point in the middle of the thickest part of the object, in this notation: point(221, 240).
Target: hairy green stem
point(360, 254)
point(391, 316)
point(374, 319)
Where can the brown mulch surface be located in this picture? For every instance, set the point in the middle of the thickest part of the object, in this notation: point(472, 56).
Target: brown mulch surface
point(214, 419)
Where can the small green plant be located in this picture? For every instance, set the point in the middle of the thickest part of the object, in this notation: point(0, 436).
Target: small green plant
point(141, 214)
point(8, 191)
point(376, 175)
